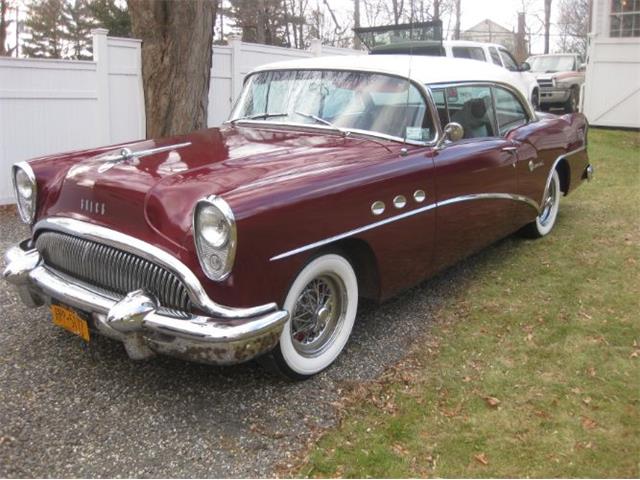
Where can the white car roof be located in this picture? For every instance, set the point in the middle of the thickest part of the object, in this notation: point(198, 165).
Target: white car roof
point(422, 69)
point(469, 43)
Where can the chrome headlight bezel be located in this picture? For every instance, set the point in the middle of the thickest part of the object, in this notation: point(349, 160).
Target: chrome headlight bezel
point(26, 205)
point(216, 257)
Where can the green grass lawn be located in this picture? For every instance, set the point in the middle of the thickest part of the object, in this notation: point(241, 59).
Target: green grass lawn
point(533, 369)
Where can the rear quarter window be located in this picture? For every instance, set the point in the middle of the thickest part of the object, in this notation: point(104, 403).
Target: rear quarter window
point(473, 53)
point(495, 56)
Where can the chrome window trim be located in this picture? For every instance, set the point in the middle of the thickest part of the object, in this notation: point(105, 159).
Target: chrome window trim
point(401, 216)
point(26, 168)
point(125, 242)
point(424, 91)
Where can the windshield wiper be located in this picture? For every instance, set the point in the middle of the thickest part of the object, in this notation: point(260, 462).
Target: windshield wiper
point(318, 119)
point(256, 116)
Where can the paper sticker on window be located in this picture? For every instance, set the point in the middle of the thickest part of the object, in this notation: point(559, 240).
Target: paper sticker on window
point(417, 134)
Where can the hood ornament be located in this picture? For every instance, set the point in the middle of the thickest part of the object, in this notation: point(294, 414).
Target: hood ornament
point(126, 154)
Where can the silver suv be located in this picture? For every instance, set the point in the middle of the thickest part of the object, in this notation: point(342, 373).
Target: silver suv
point(560, 77)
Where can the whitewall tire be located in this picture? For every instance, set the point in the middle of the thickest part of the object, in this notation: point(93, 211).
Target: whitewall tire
point(546, 219)
point(322, 303)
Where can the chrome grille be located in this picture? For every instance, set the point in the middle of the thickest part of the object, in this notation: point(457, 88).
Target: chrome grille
point(545, 82)
point(111, 269)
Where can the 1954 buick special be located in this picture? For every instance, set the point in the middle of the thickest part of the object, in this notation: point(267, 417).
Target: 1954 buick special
point(336, 178)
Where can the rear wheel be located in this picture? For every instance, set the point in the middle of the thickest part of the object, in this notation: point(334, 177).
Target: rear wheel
point(546, 219)
point(322, 302)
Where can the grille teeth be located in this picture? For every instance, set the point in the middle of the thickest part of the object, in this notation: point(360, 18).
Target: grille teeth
point(111, 269)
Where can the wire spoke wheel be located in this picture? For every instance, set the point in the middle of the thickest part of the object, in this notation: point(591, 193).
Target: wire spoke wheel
point(318, 315)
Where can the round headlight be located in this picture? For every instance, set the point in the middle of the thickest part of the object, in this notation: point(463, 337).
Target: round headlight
point(24, 183)
point(214, 230)
point(214, 227)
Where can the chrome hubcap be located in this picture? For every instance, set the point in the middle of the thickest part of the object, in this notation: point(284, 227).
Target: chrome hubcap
point(548, 205)
point(318, 315)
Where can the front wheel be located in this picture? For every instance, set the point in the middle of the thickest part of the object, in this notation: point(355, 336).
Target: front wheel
point(322, 302)
point(546, 219)
point(571, 105)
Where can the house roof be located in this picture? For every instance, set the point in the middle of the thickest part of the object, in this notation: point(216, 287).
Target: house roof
point(487, 25)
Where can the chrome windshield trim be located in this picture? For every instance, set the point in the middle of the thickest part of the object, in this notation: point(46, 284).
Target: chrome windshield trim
point(423, 89)
point(310, 126)
point(395, 218)
point(154, 254)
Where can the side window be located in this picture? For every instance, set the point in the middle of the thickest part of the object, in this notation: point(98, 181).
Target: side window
point(508, 61)
point(494, 56)
point(471, 107)
point(474, 53)
point(510, 112)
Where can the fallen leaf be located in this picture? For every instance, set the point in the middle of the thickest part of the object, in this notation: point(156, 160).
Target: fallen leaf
point(591, 371)
point(576, 390)
point(588, 423)
point(481, 458)
point(400, 450)
point(493, 402)
point(466, 379)
point(586, 400)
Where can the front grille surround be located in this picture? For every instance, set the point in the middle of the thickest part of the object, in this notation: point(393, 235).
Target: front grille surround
point(111, 269)
point(545, 82)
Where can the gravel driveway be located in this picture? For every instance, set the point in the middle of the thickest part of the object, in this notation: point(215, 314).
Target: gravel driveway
point(70, 409)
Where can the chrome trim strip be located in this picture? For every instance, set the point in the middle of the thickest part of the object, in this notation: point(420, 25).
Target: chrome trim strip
point(431, 206)
point(149, 252)
point(555, 164)
point(26, 168)
point(126, 154)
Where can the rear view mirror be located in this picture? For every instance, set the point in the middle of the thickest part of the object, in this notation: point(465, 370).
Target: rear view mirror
point(452, 132)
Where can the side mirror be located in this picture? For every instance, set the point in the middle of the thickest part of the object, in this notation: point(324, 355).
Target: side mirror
point(582, 67)
point(525, 67)
point(452, 132)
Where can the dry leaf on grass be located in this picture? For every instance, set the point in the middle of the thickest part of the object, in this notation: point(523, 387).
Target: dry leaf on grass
point(493, 402)
point(481, 458)
point(588, 423)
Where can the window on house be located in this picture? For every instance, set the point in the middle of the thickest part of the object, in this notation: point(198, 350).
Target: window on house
point(625, 18)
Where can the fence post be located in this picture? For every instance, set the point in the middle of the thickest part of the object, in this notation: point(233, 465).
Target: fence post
point(101, 57)
point(235, 41)
point(316, 47)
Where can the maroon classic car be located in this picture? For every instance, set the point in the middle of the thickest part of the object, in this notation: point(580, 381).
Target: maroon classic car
point(335, 179)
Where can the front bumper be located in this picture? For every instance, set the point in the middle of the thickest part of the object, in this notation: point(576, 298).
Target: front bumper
point(554, 95)
point(138, 322)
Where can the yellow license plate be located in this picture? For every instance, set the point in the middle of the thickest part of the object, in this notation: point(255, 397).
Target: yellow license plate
point(70, 320)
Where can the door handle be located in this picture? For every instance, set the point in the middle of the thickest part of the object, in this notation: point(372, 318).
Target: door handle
point(510, 149)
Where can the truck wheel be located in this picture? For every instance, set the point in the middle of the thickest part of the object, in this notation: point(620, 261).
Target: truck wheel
point(571, 105)
point(322, 302)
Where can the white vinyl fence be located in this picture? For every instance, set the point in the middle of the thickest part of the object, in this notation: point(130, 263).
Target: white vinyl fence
point(51, 106)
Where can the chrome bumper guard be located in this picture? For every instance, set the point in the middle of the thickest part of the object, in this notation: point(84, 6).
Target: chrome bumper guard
point(137, 321)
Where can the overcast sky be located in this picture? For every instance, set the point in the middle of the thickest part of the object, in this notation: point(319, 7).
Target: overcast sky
point(504, 12)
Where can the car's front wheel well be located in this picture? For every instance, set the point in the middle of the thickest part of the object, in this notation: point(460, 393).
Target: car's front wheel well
point(565, 175)
point(364, 262)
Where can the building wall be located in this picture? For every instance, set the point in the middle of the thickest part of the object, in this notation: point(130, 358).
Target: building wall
point(612, 87)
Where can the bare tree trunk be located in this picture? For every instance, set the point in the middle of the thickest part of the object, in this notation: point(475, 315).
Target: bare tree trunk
point(456, 32)
point(4, 25)
point(260, 21)
point(436, 9)
point(356, 23)
point(177, 40)
point(547, 24)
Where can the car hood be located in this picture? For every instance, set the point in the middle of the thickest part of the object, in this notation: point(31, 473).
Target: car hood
point(159, 190)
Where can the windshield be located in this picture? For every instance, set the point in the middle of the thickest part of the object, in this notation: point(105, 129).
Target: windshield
point(347, 101)
point(553, 63)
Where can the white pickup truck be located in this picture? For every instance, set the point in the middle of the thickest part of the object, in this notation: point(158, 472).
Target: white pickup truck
point(560, 77)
